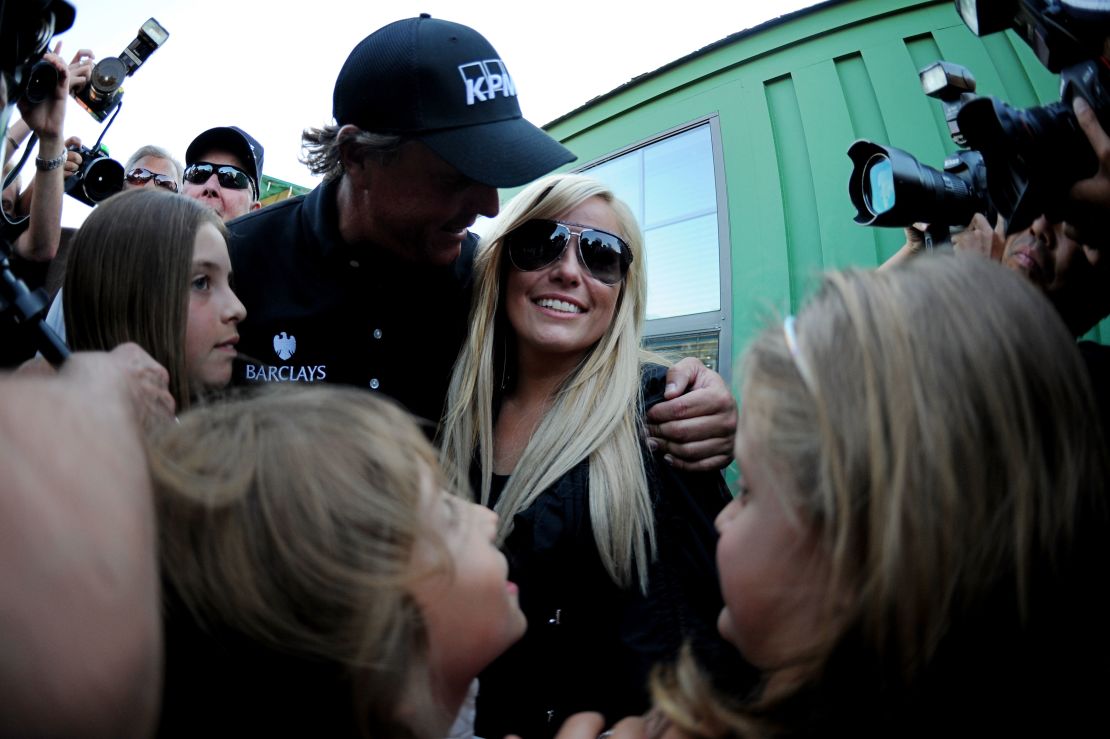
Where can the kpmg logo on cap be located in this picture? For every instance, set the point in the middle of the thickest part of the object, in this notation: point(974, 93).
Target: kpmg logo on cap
point(484, 80)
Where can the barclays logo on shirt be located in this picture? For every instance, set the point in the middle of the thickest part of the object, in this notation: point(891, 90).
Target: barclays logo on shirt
point(285, 346)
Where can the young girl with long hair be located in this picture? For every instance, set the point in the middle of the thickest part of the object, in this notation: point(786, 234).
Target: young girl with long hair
point(319, 579)
point(917, 545)
point(612, 550)
point(152, 267)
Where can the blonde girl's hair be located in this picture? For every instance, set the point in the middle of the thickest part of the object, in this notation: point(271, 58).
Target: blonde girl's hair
point(595, 413)
point(939, 424)
point(290, 517)
point(127, 277)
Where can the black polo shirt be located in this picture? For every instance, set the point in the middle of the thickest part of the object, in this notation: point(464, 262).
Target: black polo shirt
point(320, 310)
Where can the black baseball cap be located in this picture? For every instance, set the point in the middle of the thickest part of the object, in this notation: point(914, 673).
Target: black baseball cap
point(443, 84)
point(233, 140)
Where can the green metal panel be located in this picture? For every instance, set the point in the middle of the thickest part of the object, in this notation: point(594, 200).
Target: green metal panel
point(790, 97)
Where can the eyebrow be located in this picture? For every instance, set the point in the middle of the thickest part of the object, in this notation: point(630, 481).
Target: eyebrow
point(205, 264)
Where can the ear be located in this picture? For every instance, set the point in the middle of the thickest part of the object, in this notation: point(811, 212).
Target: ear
point(256, 205)
point(355, 167)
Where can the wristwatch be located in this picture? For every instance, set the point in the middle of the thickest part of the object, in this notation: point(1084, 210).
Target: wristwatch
point(45, 165)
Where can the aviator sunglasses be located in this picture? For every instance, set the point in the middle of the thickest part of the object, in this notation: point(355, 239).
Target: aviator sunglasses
point(537, 243)
point(141, 176)
point(229, 176)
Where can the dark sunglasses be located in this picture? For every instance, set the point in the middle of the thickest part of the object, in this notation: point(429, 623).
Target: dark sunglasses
point(228, 175)
point(537, 243)
point(140, 176)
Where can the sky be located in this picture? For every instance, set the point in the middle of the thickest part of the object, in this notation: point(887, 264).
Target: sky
point(269, 67)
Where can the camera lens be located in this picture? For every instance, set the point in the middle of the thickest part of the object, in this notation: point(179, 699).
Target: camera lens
point(878, 185)
point(107, 76)
point(103, 178)
point(40, 82)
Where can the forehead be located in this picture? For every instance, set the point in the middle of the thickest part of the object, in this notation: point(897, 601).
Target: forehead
point(211, 247)
point(157, 165)
point(593, 212)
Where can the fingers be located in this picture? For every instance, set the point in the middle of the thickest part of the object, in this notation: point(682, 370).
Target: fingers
point(73, 163)
point(633, 727)
point(82, 55)
point(80, 70)
point(682, 376)
point(713, 399)
point(978, 238)
point(73, 158)
point(1095, 189)
point(695, 456)
point(1088, 121)
point(148, 383)
point(582, 726)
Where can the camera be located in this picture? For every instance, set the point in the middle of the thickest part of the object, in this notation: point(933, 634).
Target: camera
point(1019, 163)
point(889, 187)
point(98, 177)
point(28, 27)
point(105, 88)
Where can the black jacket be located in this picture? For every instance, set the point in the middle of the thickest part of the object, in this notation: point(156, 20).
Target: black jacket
point(590, 644)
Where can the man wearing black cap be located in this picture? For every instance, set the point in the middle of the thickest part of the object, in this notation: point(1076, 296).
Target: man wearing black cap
point(365, 280)
point(223, 167)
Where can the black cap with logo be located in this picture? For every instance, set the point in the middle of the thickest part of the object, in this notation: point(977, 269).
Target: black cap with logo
point(233, 140)
point(443, 84)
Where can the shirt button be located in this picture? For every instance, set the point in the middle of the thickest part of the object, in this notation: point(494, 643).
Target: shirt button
point(354, 263)
point(374, 384)
point(377, 333)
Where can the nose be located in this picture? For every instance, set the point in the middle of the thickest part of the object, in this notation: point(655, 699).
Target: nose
point(484, 200)
point(1042, 228)
point(234, 310)
point(486, 517)
point(726, 515)
point(568, 267)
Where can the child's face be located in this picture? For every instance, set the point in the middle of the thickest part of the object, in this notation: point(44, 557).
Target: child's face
point(771, 566)
point(214, 313)
point(472, 614)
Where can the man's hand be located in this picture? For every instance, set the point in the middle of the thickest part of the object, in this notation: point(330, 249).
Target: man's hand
point(589, 726)
point(696, 425)
point(980, 238)
point(1089, 206)
point(73, 158)
point(131, 371)
point(46, 118)
point(80, 70)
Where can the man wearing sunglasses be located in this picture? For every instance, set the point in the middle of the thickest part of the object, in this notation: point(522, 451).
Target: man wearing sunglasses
point(365, 280)
point(152, 166)
point(223, 167)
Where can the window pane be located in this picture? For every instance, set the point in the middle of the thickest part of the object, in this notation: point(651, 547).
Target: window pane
point(704, 346)
point(683, 268)
point(624, 176)
point(679, 178)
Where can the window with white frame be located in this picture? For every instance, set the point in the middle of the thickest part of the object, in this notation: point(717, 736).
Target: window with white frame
point(674, 186)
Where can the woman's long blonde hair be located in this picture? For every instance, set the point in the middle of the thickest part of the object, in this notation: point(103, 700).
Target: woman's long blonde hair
point(940, 427)
point(290, 516)
point(596, 411)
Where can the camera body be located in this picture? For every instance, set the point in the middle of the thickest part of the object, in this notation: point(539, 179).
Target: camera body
point(98, 177)
point(105, 88)
point(1019, 163)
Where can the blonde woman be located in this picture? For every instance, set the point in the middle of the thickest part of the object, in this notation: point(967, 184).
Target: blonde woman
point(318, 579)
point(919, 544)
point(611, 550)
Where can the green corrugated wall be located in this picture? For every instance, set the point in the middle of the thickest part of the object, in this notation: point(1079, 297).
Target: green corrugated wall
point(790, 98)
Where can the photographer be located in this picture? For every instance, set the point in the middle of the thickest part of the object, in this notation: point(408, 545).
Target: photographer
point(39, 243)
